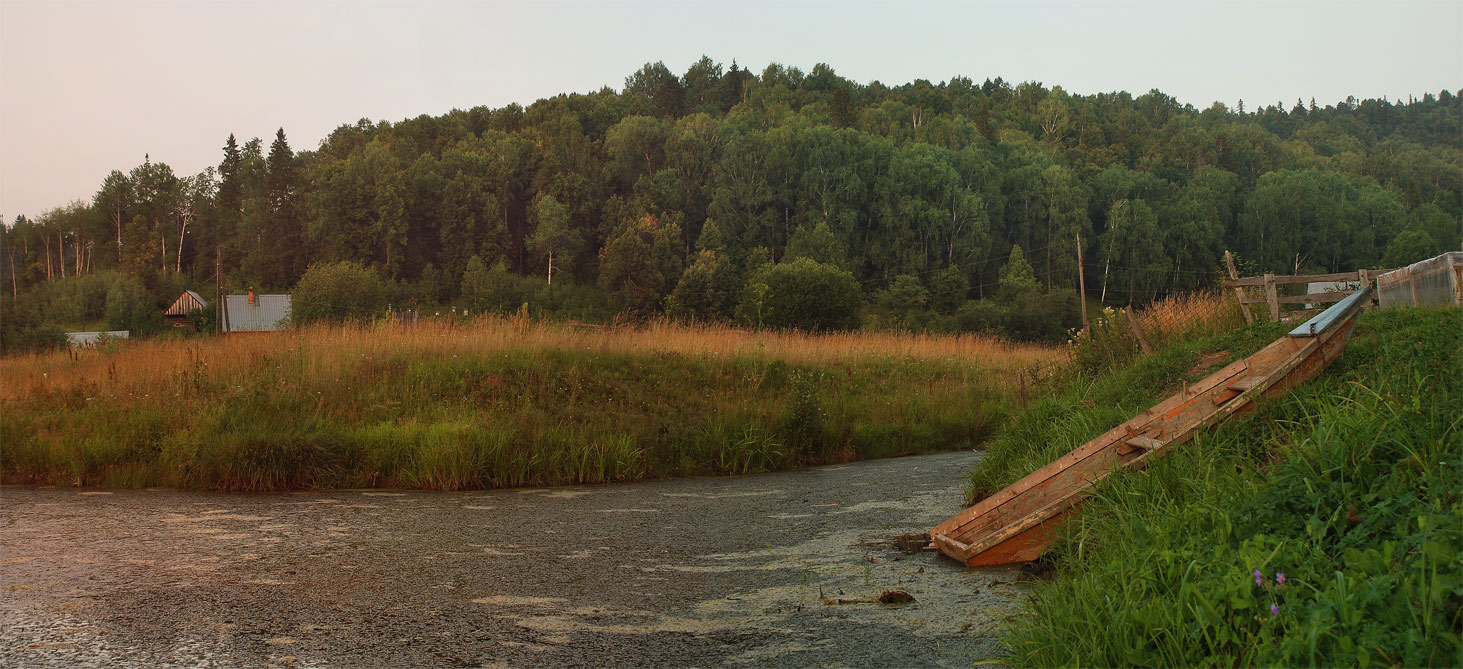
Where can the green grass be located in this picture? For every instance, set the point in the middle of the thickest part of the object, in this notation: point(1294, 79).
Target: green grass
point(1351, 486)
point(521, 416)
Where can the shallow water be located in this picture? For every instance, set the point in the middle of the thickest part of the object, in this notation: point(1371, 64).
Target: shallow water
point(681, 572)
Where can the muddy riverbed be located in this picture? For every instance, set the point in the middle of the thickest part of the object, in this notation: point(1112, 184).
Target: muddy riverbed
point(682, 572)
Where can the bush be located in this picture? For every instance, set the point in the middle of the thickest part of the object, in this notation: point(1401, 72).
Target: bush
point(77, 300)
point(803, 294)
point(948, 289)
point(982, 316)
point(568, 300)
point(496, 289)
point(706, 292)
point(803, 421)
point(130, 307)
point(1038, 317)
point(900, 303)
point(337, 292)
point(17, 320)
point(1108, 344)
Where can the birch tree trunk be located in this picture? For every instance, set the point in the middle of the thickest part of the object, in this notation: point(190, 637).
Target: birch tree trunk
point(117, 216)
point(182, 232)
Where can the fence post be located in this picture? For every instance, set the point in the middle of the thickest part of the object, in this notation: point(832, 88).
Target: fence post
point(1364, 277)
point(1022, 377)
point(1272, 298)
point(1238, 291)
point(1138, 330)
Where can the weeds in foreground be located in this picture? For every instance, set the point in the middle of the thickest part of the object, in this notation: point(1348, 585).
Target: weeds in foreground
point(1111, 343)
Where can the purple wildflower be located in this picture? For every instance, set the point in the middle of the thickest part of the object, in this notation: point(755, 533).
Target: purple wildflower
point(1279, 577)
point(1274, 609)
point(1259, 578)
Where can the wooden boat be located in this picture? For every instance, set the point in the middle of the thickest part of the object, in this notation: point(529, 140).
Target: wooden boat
point(1018, 523)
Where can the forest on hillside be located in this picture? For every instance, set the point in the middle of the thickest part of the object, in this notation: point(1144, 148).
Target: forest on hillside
point(768, 198)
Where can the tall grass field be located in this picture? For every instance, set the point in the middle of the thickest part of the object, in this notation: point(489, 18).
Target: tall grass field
point(495, 402)
point(1323, 529)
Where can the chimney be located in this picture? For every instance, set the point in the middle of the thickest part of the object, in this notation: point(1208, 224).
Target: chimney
point(251, 295)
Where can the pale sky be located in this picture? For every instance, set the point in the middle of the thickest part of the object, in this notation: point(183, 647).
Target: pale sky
point(88, 87)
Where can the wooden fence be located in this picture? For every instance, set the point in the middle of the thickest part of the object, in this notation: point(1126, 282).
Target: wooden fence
point(1271, 283)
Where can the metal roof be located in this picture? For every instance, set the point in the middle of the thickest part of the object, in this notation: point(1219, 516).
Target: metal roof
point(89, 339)
point(267, 314)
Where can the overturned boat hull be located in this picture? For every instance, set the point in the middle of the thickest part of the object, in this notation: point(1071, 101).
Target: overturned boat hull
point(1018, 523)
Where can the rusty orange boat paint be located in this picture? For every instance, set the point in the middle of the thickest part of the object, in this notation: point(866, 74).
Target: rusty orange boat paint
point(1020, 522)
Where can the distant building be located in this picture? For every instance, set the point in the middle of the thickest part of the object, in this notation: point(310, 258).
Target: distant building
point(1330, 287)
point(178, 311)
point(91, 339)
point(255, 313)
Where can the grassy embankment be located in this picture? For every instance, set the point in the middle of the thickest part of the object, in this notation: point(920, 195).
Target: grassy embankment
point(499, 402)
point(1351, 487)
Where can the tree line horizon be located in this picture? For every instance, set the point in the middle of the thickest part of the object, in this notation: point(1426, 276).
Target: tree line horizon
point(677, 192)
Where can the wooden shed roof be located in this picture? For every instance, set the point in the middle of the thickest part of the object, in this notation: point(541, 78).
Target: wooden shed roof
point(188, 301)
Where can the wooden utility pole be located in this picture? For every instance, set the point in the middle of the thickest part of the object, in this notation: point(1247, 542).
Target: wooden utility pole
point(221, 318)
point(218, 282)
point(1081, 283)
point(1238, 291)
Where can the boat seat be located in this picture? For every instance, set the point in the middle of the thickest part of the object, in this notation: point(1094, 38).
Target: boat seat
point(1238, 387)
point(1244, 383)
point(1145, 443)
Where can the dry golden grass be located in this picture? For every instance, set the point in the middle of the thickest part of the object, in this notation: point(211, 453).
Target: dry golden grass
point(328, 351)
point(1184, 317)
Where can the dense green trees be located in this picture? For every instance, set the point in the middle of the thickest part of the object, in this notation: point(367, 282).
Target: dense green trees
point(678, 194)
point(707, 292)
point(641, 263)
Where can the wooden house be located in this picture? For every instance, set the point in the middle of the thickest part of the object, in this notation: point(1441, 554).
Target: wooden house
point(178, 311)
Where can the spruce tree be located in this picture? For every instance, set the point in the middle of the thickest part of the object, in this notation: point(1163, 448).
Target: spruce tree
point(230, 198)
point(282, 254)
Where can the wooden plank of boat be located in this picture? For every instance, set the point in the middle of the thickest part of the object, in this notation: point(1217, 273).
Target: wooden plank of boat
point(1017, 523)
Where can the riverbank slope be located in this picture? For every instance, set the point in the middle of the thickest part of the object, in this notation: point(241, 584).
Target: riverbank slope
point(1322, 529)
